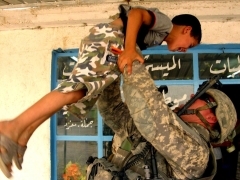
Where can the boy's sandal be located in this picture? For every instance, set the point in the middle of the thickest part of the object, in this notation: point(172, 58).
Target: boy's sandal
point(4, 169)
point(6, 157)
point(20, 151)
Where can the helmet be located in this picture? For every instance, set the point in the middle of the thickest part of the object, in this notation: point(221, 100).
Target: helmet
point(226, 115)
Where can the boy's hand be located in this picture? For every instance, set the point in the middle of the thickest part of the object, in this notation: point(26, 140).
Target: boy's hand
point(126, 58)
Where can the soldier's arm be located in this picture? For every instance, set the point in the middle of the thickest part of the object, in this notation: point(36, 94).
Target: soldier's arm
point(114, 111)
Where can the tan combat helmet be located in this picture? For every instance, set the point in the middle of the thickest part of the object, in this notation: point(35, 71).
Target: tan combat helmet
point(226, 115)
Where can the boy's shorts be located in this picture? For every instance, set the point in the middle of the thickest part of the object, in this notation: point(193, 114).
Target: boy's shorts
point(93, 72)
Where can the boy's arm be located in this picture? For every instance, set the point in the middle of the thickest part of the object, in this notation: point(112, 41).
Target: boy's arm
point(136, 18)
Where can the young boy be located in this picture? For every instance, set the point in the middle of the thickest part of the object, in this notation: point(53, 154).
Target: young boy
point(136, 28)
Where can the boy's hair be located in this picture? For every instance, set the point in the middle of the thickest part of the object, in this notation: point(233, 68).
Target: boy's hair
point(189, 20)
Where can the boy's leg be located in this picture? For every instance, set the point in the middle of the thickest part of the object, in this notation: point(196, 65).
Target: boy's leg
point(40, 111)
point(20, 129)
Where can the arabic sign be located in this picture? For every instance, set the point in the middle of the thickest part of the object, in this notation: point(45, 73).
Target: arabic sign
point(69, 124)
point(225, 64)
point(175, 66)
point(170, 66)
point(178, 95)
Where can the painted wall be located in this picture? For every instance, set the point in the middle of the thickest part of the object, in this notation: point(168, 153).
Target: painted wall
point(27, 38)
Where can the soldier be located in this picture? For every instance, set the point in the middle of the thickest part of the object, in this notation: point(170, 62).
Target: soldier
point(182, 145)
point(96, 69)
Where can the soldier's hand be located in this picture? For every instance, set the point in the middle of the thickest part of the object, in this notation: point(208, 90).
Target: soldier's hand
point(126, 58)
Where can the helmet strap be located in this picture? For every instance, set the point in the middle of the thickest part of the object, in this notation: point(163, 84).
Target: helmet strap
point(213, 133)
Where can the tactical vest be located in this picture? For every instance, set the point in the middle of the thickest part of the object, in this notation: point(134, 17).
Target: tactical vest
point(117, 165)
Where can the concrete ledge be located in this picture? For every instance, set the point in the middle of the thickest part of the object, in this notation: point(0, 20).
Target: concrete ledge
point(89, 14)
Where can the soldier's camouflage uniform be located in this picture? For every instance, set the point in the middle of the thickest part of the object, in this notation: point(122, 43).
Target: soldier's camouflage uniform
point(182, 153)
point(93, 72)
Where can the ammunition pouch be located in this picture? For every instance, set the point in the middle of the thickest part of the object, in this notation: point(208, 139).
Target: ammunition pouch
point(101, 169)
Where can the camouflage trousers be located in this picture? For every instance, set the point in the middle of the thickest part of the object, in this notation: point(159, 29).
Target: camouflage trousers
point(92, 71)
point(181, 145)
